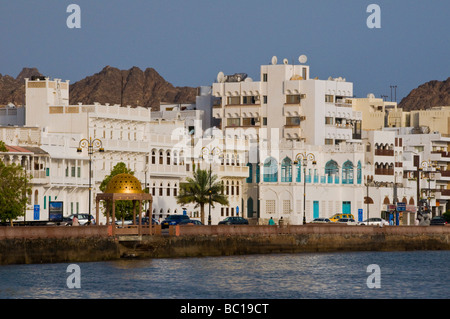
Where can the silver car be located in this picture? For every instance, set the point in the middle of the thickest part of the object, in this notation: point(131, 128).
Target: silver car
point(374, 221)
point(321, 220)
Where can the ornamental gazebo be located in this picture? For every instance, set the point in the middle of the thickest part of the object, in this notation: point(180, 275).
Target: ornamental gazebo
point(124, 187)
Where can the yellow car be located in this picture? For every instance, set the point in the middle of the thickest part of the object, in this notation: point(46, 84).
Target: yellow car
point(336, 217)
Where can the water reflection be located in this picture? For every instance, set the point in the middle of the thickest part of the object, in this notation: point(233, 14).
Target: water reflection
point(322, 275)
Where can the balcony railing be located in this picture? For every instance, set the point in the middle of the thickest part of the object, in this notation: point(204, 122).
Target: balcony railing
point(382, 152)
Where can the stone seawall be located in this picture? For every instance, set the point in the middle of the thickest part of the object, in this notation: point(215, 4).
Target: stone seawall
point(80, 244)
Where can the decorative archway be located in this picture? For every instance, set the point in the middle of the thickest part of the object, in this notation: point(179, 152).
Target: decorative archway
point(124, 187)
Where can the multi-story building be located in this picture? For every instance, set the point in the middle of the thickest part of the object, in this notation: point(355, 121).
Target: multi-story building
point(288, 103)
point(160, 151)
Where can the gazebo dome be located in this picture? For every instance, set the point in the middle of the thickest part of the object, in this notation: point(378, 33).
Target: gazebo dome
point(125, 184)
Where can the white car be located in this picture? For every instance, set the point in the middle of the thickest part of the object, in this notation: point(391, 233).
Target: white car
point(320, 220)
point(83, 219)
point(374, 221)
point(348, 221)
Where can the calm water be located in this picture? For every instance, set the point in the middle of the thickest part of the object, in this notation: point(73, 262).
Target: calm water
point(421, 274)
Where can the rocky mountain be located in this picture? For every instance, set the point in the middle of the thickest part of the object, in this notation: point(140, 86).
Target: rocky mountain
point(427, 95)
point(111, 85)
point(145, 88)
point(12, 90)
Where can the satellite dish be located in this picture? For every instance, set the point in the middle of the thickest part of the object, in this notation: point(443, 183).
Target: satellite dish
point(302, 59)
point(285, 61)
point(220, 77)
point(274, 60)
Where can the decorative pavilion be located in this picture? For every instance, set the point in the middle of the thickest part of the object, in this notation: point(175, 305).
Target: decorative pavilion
point(124, 187)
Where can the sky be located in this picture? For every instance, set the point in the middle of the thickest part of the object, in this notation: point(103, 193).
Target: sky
point(188, 42)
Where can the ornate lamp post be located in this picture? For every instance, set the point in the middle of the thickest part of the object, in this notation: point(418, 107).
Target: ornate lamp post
point(91, 145)
point(305, 158)
point(430, 168)
point(210, 153)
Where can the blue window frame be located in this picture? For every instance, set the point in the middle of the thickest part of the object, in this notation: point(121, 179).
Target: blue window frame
point(286, 170)
point(359, 173)
point(250, 173)
point(347, 173)
point(332, 169)
point(270, 170)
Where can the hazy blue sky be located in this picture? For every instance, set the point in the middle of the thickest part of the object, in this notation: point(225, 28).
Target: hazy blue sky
point(188, 42)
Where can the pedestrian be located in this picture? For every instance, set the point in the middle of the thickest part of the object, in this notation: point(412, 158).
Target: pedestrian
point(271, 222)
point(75, 221)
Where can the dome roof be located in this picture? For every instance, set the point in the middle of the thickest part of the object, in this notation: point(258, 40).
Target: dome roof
point(124, 183)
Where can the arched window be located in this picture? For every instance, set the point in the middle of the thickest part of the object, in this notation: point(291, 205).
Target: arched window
point(270, 170)
point(359, 173)
point(168, 157)
point(153, 157)
point(250, 173)
point(332, 169)
point(286, 170)
point(298, 178)
point(347, 173)
point(161, 157)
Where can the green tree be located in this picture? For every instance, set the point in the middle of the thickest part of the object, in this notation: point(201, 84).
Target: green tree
point(124, 208)
point(13, 192)
point(3, 147)
point(198, 190)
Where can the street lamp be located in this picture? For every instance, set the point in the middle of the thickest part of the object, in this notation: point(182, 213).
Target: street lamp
point(369, 182)
point(211, 153)
point(429, 166)
point(305, 158)
point(91, 145)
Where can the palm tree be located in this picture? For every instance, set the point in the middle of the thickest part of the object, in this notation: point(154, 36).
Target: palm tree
point(200, 189)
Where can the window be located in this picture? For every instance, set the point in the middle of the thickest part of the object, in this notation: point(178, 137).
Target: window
point(249, 121)
point(331, 169)
point(248, 100)
point(328, 141)
point(265, 99)
point(299, 172)
point(73, 171)
point(250, 173)
point(153, 157)
point(286, 170)
point(264, 77)
point(347, 173)
point(293, 99)
point(329, 98)
point(168, 190)
point(161, 158)
point(233, 122)
point(293, 121)
point(286, 206)
point(270, 206)
point(270, 170)
point(233, 100)
point(264, 121)
point(168, 158)
point(359, 173)
point(328, 121)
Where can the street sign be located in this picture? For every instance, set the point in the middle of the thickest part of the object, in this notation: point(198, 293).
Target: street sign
point(37, 209)
point(401, 207)
point(360, 214)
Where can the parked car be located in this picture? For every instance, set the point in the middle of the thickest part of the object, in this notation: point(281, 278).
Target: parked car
point(321, 220)
point(438, 221)
point(374, 221)
point(172, 220)
point(191, 222)
point(338, 216)
point(83, 219)
point(234, 221)
point(348, 221)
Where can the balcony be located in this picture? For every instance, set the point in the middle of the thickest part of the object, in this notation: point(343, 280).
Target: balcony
point(293, 110)
point(292, 132)
point(381, 152)
point(384, 171)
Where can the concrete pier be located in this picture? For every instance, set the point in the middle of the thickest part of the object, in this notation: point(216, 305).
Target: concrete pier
point(22, 245)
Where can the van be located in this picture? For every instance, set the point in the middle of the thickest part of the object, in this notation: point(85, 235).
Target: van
point(336, 217)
